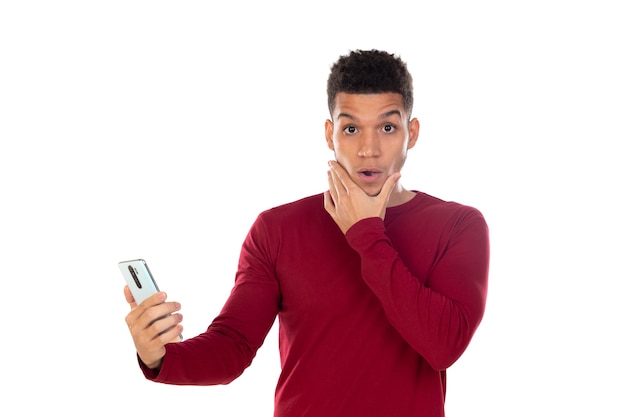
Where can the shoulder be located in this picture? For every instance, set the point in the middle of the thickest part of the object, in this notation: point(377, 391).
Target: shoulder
point(457, 218)
point(297, 207)
point(429, 212)
point(307, 208)
point(433, 206)
point(293, 221)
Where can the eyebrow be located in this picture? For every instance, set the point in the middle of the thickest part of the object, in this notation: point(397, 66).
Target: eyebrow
point(381, 117)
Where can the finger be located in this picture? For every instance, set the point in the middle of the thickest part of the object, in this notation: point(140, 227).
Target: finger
point(141, 315)
point(335, 175)
point(388, 186)
point(337, 186)
point(341, 176)
point(145, 323)
point(155, 299)
point(129, 297)
point(332, 187)
point(165, 324)
point(329, 204)
point(161, 311)
point(178, 334)
point(171, 335)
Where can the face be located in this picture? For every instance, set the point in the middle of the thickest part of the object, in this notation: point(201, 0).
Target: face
point(371, 135)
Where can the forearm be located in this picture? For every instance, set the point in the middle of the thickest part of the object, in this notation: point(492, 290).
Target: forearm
point(211, 358)
point(228, 346)
point(438, 312)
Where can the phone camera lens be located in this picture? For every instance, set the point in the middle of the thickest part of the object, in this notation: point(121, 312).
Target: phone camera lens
point(134, 275)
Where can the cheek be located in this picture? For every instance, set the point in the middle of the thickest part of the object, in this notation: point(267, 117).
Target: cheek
point(342, 158)
point(336, 147)
point(400, 159)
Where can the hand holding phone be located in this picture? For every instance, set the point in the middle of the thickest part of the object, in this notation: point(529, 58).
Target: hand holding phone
point(139, 280)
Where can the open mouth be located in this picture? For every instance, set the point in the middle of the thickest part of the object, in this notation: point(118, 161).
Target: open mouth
point(369, 172)
point(369, 175)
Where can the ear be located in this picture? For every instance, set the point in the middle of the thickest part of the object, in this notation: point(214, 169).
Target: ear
point(414, 131)
point(329, 128)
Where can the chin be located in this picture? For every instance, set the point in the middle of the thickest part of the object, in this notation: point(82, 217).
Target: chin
point(372, 192)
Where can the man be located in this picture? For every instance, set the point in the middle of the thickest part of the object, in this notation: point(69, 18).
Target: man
point(378, 288)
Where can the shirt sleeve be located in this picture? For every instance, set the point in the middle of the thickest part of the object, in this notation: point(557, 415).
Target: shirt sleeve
point(436, 314)
point(228, 346)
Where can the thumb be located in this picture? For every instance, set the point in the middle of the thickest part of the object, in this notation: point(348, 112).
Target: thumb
point(129, 297)
point(388, 186)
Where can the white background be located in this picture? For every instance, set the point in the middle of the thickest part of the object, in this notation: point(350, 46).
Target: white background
point(161, 129)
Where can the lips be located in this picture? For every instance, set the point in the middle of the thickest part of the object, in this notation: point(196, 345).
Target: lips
point(369, 175)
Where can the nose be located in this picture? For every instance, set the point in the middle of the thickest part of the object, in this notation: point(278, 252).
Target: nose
point(369, 146)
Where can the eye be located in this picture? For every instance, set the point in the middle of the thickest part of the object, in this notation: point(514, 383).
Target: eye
point(350, 130)
point(388, 128)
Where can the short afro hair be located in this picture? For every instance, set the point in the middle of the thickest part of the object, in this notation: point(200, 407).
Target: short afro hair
point(370, 72)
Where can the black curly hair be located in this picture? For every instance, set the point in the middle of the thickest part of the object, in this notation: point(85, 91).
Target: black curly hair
point(370, 72)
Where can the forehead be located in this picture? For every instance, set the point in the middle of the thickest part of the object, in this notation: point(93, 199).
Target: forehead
point(364, 106)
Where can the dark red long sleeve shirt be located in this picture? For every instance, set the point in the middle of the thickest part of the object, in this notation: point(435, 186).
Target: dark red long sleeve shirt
point(368, 322)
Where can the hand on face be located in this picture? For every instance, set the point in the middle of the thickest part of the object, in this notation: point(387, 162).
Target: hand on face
point(347, 203)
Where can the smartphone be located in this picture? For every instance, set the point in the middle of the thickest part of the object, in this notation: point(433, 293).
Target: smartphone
point(139, 279)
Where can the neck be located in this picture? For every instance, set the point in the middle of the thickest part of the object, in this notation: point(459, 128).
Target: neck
point(399, 196)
